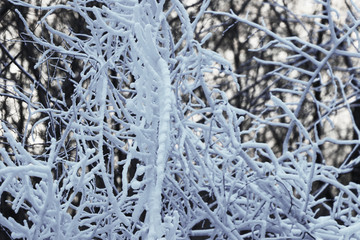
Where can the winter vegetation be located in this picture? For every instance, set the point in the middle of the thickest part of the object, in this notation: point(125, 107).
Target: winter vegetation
point(124, 120)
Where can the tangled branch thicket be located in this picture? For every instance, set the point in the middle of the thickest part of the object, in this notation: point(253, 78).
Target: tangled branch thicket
point(147, 147)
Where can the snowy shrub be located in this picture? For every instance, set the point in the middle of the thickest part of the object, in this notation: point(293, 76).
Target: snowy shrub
point(150, 149)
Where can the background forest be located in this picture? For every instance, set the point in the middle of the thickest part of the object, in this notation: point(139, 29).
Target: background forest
point(169, 119)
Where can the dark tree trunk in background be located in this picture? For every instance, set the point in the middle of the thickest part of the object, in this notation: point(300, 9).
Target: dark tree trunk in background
point(355, 174)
